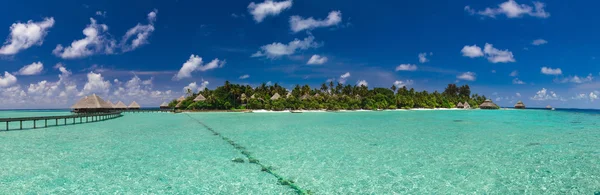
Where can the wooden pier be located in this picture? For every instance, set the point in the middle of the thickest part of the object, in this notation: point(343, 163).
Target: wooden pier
point(66, 120)
point(146, 110)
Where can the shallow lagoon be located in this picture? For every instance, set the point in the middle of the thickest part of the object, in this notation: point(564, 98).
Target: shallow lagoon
point(415, 152)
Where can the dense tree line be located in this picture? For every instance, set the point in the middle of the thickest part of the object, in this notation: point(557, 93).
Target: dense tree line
point(329, 96)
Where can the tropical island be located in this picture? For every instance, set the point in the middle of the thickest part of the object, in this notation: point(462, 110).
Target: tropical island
point(328, 96)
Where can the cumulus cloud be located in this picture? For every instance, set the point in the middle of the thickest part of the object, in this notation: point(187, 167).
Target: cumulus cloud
point(514, 73)
point(551, 71)
point(539, 42)
point(317, 60)
point(344, 77)
point(101, 13)
point(517, 81)
point(140, 34)
point(32, 69)
point(518, 94)
point(400, 84)
point(7, 80)
point(245, 76)
point(96, 41)
point(195, 87)
point(362, 83)
point(593, 96)
point(275, 50)
point(268, 8)
point(195, 64)
point(511, 9)
point(492, 54)
point(95, 84)
point(472, 51)
point(298, 23)
point(423, 57)
point(467, 76)
point(406, 67)
point(26, 35)
point(544, 94)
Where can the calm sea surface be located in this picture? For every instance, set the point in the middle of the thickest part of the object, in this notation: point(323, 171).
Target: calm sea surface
point(402, 152)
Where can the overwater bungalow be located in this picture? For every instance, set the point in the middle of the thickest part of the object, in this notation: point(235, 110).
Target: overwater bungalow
point(199, 98)
point(120, 106)
point(92, 103)
point(460, 105)
point(275, 97)
point(466, 105)
point(520, 105)
point(110, 103)
point(548, 107)
point(488, 104)
point(164, 105)
point(134, 106)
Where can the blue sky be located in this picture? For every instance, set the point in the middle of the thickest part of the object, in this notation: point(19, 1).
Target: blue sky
point(544, 53)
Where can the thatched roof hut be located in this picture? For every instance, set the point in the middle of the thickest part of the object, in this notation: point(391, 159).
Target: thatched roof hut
point(275, 97)
point(120, 105)
point(134, 106)
point(199, 98)
point(252, 96)
point(181, 98)
point(164, 105)
point(548, 107)
point(357, 96)
point(316, 95)
point(179, 105)
point(466, 105)
point(305, 96)
point(460, 105)
point(243, 97)
point(289, 94)
point(92, 103)
point(488, 104)
point(520, 105)
point(110, 103)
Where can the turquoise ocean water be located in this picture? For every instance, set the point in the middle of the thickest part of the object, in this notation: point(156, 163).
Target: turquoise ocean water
point(392, 152)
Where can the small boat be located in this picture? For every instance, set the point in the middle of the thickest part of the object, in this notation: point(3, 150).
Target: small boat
point(296, 111)
point(553, 108)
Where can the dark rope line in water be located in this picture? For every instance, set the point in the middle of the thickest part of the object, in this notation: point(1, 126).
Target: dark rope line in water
point(268, 169)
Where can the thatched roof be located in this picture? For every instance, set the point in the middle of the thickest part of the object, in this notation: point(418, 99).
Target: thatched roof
point(164, 105)
point(243, 96)
point(548, 106)
point(357, 96)
point(199, 98)
point(120, 105)
point(134, 105)
point(466, 105)
point(275, 97)
point(91, 102)
point(181, 98)
point(111, 104)
point(460, 105)
point(316, 95)
point(305, 96)
point(289, 94)
point(178, 104)
point(520, 105)
point(488, 104)
point(252, 97)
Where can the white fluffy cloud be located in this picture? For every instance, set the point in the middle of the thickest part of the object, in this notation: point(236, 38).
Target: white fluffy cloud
point(317, 60)
point(25, 35)
point(362, 83)
point(268, 8)
point(343, 78)
point(140, 32)
point(96, 41)
point(514, 73)
point(517, 81)
point(472, 51)
point(467, 76)
point(511, 9)
point(493, 55)
point(518, 94)
point(544, 94)
point(275, 50)
point(195, 88)
point(7, 80)
point(593, 96)
point(551, 71)
point(298, 23)
point(400, 84)
point(195, 64)
point(32, 69)
point(245, 76)
point(423, 57)
point(539, 42)
point(497, 56)
point(95, 84)
point(406, 67)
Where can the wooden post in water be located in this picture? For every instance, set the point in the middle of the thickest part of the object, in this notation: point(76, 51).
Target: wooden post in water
point(45, 122)
point(20, 124)
point(7, 125)
point(56, 123)
point(34, 123)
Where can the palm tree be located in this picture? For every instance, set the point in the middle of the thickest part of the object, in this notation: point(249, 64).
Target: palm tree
point(324, 87)
point(393, 88)
point(188, 92)
point(331, 85)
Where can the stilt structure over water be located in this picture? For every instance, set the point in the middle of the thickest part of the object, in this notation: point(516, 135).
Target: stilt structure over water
point(120, 106)
point(133, 106)
point(91, 104)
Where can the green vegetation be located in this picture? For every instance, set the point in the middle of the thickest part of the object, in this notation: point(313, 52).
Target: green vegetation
point(330, 97)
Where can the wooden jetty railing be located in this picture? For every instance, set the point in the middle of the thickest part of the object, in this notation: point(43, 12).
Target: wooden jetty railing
point(147, 110)
point(89, 117)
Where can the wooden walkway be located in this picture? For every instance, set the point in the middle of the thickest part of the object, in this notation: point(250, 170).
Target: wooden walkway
point(83, 118)
point(144, 111)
